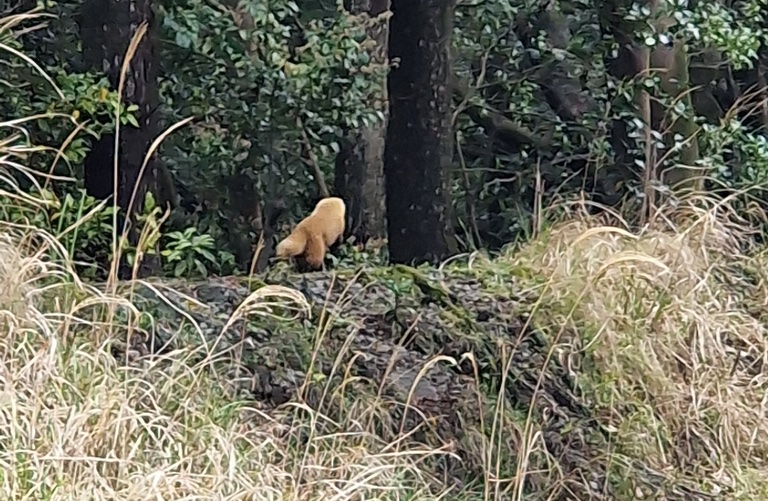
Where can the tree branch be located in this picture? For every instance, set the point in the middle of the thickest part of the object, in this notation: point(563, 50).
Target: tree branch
point(311, 160)
point(495, 122)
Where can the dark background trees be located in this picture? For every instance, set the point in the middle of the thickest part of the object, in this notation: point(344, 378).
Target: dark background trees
point(359, 167)
point(508, 111)
point(106, 30)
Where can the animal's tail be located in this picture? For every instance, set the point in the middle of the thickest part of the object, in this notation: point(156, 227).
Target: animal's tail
point(292, 245)
point(315, 250)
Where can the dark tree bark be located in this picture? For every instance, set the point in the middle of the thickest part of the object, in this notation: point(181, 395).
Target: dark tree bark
point(360, 164)
point(106, 29)
point(419, 130)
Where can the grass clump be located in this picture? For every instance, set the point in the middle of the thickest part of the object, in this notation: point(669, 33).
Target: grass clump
point(660, 328)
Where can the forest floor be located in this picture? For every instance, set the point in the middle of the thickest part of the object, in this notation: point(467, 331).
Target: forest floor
point(590, 363)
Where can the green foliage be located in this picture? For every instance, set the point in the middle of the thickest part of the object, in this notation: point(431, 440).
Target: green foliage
point(552, 73)
point(259, 77)
point(186, 253)
point(189, 253)
point(66, 99)
point(81, 224)
point(252, 72)
point(268, 80)
point(737, 31)
point(373, 253)
point(733, 139)
point(507, 53)
point(83, 227)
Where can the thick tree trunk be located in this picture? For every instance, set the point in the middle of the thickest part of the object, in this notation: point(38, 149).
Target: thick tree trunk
point(360, 165)
point(419, 130)
point(106, 29)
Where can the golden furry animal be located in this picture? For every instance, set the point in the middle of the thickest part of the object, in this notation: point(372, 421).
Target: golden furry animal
point(316, 232)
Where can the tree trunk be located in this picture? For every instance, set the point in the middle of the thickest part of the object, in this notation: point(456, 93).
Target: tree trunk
point(360, 164)
point(675, 81)
point(670, 64)
point(106, 29)
point(419, 130)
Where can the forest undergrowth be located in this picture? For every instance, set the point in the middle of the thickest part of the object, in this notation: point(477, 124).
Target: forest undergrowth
point(663, 330)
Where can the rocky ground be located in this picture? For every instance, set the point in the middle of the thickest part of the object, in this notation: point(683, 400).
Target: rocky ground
point(371, 342)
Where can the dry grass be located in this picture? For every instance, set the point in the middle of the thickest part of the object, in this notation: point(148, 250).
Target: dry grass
point(75, 424)
point(663, 317)
point(667, 336)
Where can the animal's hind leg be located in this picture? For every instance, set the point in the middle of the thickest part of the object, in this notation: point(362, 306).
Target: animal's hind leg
point(315, 251)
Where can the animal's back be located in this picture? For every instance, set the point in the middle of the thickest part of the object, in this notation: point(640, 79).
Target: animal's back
point(328, 218)
point(316, 233)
